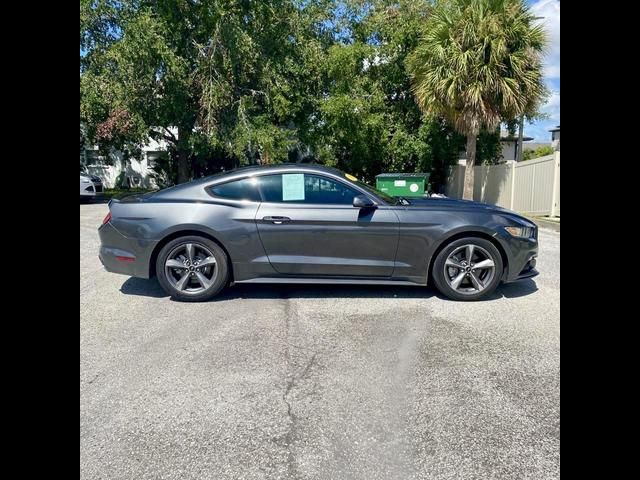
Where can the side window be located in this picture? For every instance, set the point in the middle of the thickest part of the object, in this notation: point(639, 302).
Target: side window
point(271, 187)
point(305, 188)
point(245, 189)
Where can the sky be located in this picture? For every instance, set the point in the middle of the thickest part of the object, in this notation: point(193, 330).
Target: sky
point(550, 10)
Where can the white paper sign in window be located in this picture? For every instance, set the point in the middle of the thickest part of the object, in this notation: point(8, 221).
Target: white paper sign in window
point(292, 187)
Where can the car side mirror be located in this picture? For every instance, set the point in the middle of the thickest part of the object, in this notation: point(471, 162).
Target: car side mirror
point(362, 201)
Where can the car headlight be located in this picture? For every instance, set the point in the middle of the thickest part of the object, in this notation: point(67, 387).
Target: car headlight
point(524, 232)
point(85, 179)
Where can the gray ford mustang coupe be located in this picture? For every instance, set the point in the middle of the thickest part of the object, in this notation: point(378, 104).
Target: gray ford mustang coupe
point(311, 224)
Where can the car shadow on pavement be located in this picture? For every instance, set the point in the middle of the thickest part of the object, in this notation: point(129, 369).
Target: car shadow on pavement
point(151, 288)
point(143, 287)
point(514, 290)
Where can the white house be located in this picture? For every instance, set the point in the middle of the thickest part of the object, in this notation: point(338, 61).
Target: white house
point(137, 171)
point(510, 145)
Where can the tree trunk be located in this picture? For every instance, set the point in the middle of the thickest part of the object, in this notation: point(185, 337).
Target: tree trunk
point(184, 169)
point(183, 166)
point(520, 145)
point(468, 171)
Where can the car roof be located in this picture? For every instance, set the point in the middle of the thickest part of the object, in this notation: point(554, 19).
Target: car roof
point(238, 173)
point(285, 166)
point(262, 169)
point(243, 172)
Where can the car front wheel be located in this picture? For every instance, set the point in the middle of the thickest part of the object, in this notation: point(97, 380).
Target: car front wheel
point(468, 269)
point(192, 268)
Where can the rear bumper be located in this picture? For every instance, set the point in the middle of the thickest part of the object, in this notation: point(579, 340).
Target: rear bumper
point(120, 254)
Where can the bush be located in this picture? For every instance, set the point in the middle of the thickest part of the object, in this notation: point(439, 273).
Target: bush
point(538, 152)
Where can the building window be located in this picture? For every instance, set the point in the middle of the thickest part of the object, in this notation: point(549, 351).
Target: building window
point(93, 157)
point(154, 157)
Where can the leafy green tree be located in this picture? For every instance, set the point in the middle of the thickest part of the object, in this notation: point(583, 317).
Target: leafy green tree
point(232, 82)
point(478, 64)
point(368, 121)
point(224, 75)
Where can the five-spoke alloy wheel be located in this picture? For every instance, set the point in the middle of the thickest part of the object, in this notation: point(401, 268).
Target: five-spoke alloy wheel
point(468, 269)
point(192, 268)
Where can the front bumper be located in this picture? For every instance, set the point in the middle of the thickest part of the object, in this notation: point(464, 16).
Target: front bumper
point(523, 253)
point(120, 254)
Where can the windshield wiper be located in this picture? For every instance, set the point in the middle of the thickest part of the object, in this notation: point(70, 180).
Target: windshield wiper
point(404, 201)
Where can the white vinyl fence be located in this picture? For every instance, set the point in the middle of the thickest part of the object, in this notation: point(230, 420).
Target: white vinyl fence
point(531, 187)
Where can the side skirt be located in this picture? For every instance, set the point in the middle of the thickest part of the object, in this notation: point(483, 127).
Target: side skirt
point(329, 281)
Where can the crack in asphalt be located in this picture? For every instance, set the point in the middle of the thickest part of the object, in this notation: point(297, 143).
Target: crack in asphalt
point(284, 341)
point(95, 377)
point(293, 420)
point(291, 382)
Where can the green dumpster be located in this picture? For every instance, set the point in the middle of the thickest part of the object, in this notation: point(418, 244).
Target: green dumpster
point(402, 184)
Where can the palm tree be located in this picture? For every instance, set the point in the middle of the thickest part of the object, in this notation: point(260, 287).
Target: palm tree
point(478, 64)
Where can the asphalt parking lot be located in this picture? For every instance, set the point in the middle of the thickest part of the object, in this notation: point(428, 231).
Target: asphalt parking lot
point(317, 382)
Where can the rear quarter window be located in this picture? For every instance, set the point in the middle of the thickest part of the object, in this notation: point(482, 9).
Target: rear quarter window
point(245, 189)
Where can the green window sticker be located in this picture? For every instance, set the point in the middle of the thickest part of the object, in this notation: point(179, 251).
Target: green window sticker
point(292, 187)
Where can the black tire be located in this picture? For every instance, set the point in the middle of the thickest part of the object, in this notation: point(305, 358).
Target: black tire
point(222, 265)
point(438, 272)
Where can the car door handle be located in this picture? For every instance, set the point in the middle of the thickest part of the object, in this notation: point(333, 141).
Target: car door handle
point(276, 220)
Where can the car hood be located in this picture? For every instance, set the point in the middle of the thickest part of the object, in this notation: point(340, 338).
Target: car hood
point(459, 204)
point(451, 202)
point(93, 178)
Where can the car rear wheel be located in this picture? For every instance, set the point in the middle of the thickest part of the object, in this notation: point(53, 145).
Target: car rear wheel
point(468, 269)
point(192, 269)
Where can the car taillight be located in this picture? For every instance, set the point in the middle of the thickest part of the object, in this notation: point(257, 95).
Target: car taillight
point(107, 219)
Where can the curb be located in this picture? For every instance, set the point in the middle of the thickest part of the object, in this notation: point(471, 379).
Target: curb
point(555, 226)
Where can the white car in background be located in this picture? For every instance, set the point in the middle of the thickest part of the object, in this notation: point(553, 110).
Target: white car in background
point(90, 185)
